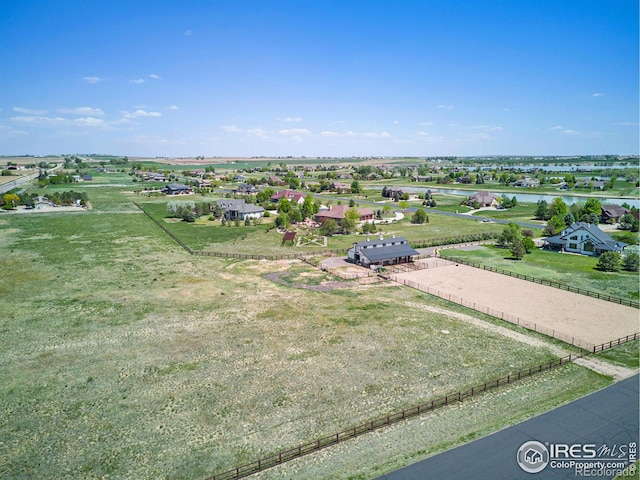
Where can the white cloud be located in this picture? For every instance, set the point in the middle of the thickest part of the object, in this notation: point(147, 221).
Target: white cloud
point(297, 138)
point(557, 127)
point(141, 113)
point(40, 120)
point(155, 77)
point(445, 107)
point(89, 122)
point(598, 94)
point(187, 33)
point(330, 133)
point(137, 80)
point(426, 124)
point(290, 119)
point(231, 128)
point(570, 132)
point(487, 128)
point(173, 107)
point(396, 122)
point(29, 111)
point(85, 111)
point(377, 135)
point(94, 79)
point(294, 131)
point(259, 132)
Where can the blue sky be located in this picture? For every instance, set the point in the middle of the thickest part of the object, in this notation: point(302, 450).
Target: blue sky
point(319, 78)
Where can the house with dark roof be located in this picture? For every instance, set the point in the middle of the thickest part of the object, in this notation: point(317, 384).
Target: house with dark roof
point(383, 251)
point(176, 189)
point(337, 213)
point(612, 213)
point(584, 238)
point(484, 199)
point(234, 208)
point(245, 189)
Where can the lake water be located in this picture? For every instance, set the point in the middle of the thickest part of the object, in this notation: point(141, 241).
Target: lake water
point(532, 197)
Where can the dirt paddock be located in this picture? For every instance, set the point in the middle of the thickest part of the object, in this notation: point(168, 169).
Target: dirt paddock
point(585, 318)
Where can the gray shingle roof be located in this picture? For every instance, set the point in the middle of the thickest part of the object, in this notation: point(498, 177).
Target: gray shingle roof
point(388, 252)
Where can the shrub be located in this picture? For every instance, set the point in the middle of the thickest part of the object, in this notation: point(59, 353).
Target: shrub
point(609, 262)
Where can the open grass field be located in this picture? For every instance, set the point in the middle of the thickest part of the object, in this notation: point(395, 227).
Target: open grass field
point(122, 356)
point(574, 270)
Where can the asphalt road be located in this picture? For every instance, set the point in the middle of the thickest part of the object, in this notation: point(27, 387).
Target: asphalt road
point(608, 417)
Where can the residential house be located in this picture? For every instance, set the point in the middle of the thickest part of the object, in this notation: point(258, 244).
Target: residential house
point(382, 251)
point(234, 208)
point(422, 178)
point(276, 180)
point(612, 213)
point(239, 178)
point(584, 238)
point(527, 183)
point(597, 184)
point(337, 213)
point(153, 177)
point(177, 189)
point(339, 187)
point(245, 189)
point(484, 199)
point(291, 195)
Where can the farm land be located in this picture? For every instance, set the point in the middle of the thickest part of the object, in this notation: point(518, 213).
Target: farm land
point(125, 356)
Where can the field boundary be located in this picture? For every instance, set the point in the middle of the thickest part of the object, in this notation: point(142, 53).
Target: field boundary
point(549, 283)
point(283, 456)
point(462, 239)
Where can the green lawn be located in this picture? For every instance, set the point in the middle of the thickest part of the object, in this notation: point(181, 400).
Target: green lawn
point(575, 270)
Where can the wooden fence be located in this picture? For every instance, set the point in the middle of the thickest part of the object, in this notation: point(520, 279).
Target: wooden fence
point(549, 283)
point(283, 456)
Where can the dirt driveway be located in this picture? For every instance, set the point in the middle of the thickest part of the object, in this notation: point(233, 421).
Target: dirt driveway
point(585, 318)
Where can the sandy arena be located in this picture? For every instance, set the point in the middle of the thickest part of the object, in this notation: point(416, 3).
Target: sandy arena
point(585, 318)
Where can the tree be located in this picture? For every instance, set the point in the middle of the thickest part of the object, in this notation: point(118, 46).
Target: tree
point(419, 217)
point(631, 262)
point(350, 219)
point(355, 187)
point(528, 244)
point(554, 225)
point(569, 219)
point(517, 249)
point(284, 206)
point(509, 235)
point(282, 221)
point(352, 203)
point(10, 200)
point(329, 227)
point(307, 207)
point(592, 205)
point(558, 207)
point(247, 222)
point(609, 262)
point(542, 211)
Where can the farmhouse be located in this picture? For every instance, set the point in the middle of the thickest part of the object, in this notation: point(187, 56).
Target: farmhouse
point(382, 251)
point(484, 199)
point(612, 213)
point(176, 189)
point(584, 238)
point(239, 209)
point(337, 213)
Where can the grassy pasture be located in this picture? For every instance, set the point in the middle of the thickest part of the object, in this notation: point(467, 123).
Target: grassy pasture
point(123, 356)
point(575, 270)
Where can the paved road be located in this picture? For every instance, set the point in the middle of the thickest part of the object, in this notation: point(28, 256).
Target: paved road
point(607, 417)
